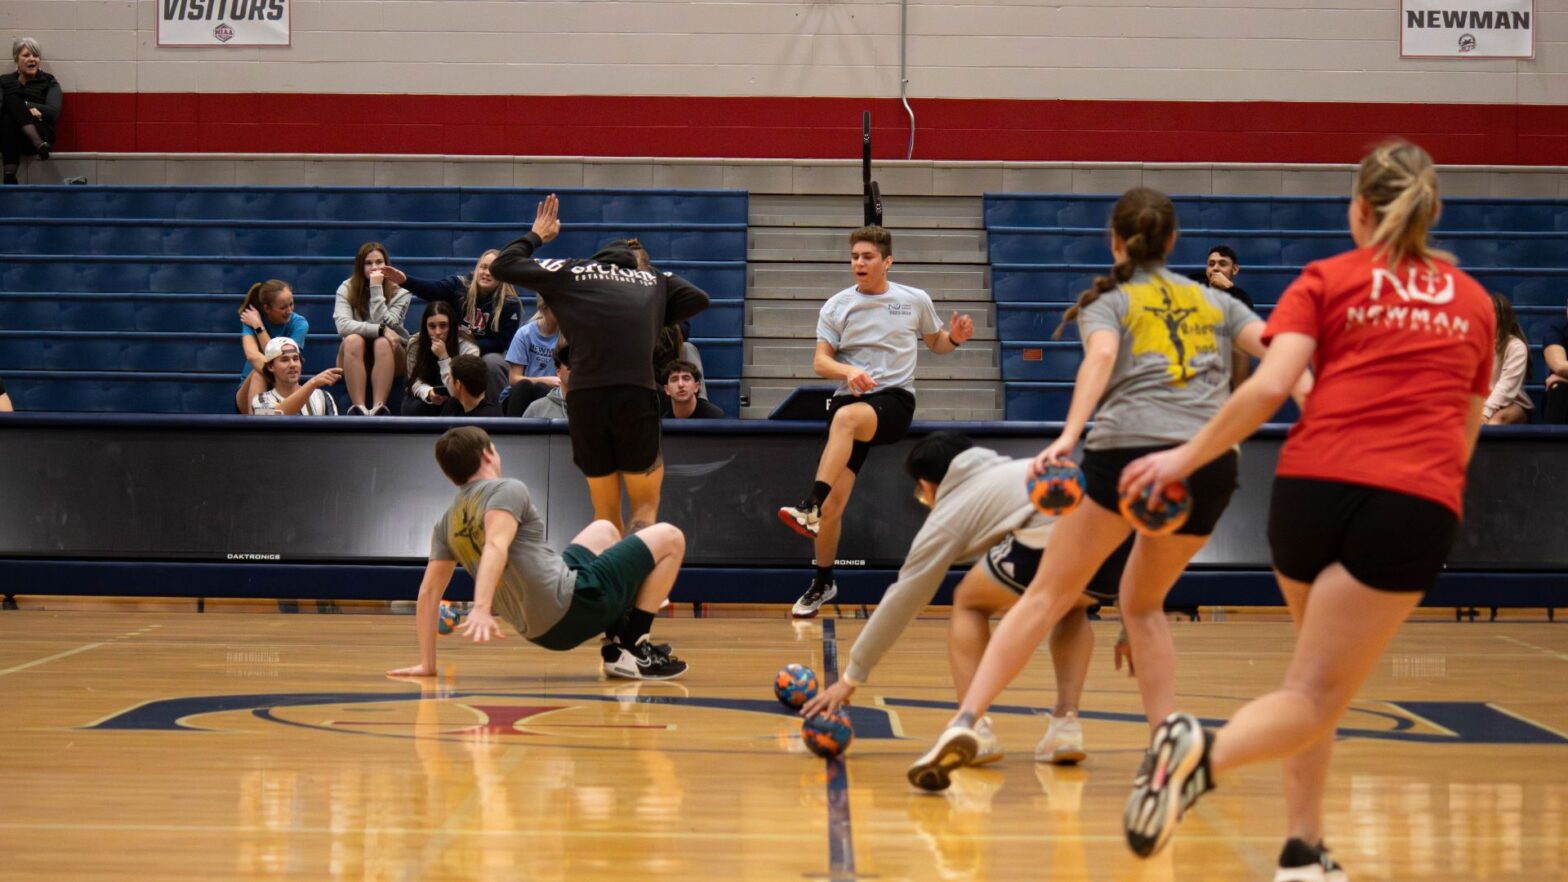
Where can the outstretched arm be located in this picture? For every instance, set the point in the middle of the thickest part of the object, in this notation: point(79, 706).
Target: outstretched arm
point(438, 574)
point(515, 263)
point(500, 528)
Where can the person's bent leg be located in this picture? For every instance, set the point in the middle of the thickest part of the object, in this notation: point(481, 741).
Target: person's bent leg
point(976, 599)
point(1072, 648)
point(1152, 569)
point(854, 422)
point(1306, 773)
point(642, 493)
point(1080, 542)
point(351, 358)
point(667, 544)
point(383, 365)
point(1346, 628)
point(830, 527)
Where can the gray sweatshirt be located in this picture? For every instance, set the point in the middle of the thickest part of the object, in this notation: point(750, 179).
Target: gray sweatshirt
point(982, 499)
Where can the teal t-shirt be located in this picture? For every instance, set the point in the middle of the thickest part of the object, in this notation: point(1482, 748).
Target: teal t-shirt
point(295, 329)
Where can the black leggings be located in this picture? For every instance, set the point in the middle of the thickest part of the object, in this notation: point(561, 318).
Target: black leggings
point(13, 141)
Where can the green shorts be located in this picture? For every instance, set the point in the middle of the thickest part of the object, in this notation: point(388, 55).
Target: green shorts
point(606, 588)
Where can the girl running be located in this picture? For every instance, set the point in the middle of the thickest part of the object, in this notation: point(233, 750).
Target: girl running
point(1366, 502)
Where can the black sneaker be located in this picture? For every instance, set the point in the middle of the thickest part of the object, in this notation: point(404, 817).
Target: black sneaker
point(1178, 774)
point(808, 604)
point(640, 662)
point(1300, 862)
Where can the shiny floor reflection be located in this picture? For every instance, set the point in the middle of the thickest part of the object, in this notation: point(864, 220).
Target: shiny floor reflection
point(267, 746)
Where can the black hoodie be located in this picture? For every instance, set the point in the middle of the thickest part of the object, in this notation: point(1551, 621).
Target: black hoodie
point(611, 311)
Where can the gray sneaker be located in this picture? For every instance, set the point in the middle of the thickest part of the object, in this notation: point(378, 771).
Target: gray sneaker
point(810, 602)
point(954, 748)
point(1177, 774)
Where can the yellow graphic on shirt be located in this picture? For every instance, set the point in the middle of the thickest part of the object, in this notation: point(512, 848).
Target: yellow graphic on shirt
point(469, 532)
point(1173, 320)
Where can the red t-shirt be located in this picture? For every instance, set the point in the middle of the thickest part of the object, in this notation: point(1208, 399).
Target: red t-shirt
point(1399, 355)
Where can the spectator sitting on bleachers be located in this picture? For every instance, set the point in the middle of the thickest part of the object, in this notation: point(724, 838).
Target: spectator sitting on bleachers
point(490, 310)
point(672, 346)
point(266, 313)
point(1220, 272)
point(369, 314)
point(530, 360)
point(553, 405)
point(468, 381)
point(1556, 339)
point(282, 367)
point(682, 382)
point(1508, 404)
point(29, 108)
point(5, 399)
point(430, 359)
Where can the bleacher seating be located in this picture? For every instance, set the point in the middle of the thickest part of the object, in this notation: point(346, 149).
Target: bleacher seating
point(124, 298)
point(1047, 248)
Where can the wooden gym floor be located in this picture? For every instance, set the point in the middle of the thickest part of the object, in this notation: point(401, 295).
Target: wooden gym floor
point(174, 746)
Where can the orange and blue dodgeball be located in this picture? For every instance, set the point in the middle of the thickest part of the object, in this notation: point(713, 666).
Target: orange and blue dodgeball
point(827, 735)
point(1058, 490)
point(795, 685)
point(449, 618)
point(1158, 512)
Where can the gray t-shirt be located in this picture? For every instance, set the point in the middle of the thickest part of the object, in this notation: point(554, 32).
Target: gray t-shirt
point(878, 333)
point(1172, 370)
point(536, 586)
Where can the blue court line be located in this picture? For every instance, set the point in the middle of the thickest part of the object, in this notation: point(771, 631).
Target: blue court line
point(841, 837)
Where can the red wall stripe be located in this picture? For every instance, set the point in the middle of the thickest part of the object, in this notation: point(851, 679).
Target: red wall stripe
point(805, 128)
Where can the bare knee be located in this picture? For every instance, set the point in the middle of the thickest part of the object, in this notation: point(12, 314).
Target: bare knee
point(663, 540)
point(605, 531)
point(383, 347)
point(354, 346)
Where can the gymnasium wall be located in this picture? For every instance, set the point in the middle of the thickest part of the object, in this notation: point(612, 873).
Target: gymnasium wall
point(1102, 80)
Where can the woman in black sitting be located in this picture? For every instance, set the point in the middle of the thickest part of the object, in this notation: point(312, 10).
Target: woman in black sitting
point(31, 108)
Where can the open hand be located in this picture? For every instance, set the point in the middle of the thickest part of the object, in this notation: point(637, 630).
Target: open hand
point(394, 275)
point(481, 627)
point(961, 329)
point(1124, 652)
point(828, 700)
point(547, 218)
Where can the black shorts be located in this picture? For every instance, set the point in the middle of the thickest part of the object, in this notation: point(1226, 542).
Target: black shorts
point(1211, 485)
point(895, 409)
point(1387, 540)
point(1013, 565)
point(614, 429)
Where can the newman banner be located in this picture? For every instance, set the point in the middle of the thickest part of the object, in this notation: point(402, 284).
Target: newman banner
point(1467, 29)
point(223, 22)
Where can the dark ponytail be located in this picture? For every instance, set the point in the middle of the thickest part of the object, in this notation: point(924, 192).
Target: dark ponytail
point(1145, 219)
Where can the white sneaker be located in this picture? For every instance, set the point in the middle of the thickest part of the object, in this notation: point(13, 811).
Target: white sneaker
point(802, 520)
point(955, 748)
point(1063, 741)
point(810, 602)
point(990, 749)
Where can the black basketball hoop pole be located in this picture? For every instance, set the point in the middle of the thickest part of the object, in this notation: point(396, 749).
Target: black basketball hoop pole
point(871, 194)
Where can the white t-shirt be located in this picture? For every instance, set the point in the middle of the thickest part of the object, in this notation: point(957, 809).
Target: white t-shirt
point(320, 404)
point(879, 333)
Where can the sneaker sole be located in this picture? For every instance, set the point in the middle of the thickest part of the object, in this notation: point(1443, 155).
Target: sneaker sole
point(1156, 806)
point(933, 772)
point(789, 521)
point(1063, 757)
point(615, 673)
point(804, 615)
